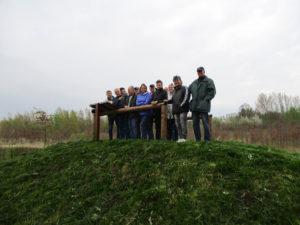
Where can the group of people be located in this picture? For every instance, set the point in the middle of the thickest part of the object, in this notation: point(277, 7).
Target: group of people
point(179, 98)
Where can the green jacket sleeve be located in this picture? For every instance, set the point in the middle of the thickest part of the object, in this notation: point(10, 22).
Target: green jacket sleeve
point(211, 90)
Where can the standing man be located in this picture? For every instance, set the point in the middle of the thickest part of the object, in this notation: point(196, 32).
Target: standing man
point(119, 102)
point(125, 120)
point(132, 116)
point(158, 97)
point(111, 118)
point(203, 91)
point(152, 89)
point(151, 117)
point(123, 91)
point(180, 107)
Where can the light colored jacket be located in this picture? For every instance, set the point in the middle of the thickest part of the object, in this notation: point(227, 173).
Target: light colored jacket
point(170, 107)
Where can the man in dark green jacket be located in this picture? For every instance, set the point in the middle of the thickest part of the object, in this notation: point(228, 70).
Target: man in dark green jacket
point(202, 91)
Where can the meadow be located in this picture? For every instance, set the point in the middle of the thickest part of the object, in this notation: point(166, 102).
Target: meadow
point(281, 130)
point(156, 182)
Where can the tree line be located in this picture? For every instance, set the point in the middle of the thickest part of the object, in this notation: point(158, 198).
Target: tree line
point(275, 113)
point(40, 126)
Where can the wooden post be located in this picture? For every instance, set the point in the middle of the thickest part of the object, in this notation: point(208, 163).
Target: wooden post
point(164, 122)
point(210, 124)
point(97, 123)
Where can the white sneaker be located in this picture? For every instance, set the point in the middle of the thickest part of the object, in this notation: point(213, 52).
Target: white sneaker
point(181, 140)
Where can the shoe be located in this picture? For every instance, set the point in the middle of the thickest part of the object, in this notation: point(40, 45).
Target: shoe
point(181, 140)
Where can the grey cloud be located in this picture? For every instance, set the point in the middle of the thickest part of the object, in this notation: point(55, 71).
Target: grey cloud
point(67, 53)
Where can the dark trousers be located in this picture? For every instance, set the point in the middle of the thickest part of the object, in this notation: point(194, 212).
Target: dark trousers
point(119, 126)
point(145, 127)
point(196, 125)
point(157, 121)
point(122, 126)
point(111, 121)
point(138, 125)
point(126, 130)
point(133, 128)
point(172, 130)
point(151, 135)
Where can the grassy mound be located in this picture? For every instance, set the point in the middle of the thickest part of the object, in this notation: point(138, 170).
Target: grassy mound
point(124, 182)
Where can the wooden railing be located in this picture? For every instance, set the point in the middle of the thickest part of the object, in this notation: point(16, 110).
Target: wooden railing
point(98, 111)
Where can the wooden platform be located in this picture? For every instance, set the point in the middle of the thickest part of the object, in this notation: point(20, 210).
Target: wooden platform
point(106, 108)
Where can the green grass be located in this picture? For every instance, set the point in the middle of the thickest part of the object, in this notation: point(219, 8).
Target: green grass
point(124, 182)
point(13, 152)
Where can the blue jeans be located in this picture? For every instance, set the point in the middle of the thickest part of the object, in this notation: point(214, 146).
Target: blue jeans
point(133, 128)
point(138, 125)
point(145, 127)
point(196, 125)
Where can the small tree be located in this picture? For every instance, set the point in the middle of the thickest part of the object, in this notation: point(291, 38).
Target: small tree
point(44, 120)
point(246, 111)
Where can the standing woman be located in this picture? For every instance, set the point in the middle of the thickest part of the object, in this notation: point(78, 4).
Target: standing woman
point(171, 126)
point(145, 98)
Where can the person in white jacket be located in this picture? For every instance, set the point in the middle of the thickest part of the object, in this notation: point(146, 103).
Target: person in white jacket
point(172, 133)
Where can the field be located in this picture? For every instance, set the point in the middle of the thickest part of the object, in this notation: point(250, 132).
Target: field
point(125, 182)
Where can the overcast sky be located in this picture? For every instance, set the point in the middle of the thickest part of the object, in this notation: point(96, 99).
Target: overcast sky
point(66, 53)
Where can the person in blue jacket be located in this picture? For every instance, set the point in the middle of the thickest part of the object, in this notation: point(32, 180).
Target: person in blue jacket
point(145, 98)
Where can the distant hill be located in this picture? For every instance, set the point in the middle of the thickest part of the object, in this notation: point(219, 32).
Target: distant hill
point(127, 182)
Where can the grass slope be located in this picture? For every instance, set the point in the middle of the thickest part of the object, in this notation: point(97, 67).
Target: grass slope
point(124, 182)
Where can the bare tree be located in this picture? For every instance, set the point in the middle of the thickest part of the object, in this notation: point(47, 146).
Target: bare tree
point(246, 111)
point(44, 120)
point(276, 102)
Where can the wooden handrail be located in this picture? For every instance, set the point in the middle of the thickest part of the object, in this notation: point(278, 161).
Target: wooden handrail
point(132, 109)
point(97, 113)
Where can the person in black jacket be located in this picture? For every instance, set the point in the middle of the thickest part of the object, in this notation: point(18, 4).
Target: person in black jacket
point(125, 119)
point(111, 118)
point(132, 116)
point(159, 96)
point(180, 107)
point(121, 122)
point(151, 119)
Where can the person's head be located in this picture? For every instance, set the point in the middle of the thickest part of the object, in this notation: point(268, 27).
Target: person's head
point(177, 80)
point(143, 88)
point(131, 90)
point(152, 88)
point(109, 94)
point(137, 90)
point(123, 91)
point(118, 92)
point(201, 71)
point(159, 84)
point(171, 88)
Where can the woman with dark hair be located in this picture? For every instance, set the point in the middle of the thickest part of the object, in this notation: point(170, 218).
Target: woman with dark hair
point(145, 98)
